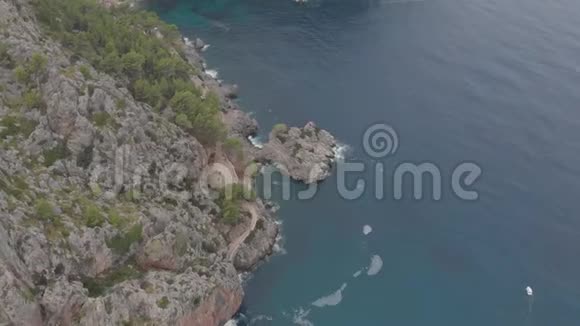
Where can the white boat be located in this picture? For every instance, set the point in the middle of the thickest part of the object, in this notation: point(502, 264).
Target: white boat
point(529, 291)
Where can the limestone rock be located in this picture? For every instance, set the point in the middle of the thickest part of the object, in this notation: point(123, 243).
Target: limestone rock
point(102, 183)
point(305, 154)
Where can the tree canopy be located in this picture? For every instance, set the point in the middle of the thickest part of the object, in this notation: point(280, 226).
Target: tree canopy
point(135, 46)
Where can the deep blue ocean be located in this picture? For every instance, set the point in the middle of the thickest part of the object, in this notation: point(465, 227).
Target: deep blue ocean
point(495, 82)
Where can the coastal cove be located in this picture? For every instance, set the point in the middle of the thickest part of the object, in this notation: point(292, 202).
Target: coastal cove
point(493, 82)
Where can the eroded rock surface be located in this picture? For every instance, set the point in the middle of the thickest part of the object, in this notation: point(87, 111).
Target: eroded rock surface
point(102, 217)
point(305, 154)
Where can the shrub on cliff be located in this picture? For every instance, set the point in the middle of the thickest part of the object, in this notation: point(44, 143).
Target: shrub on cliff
point(279, 127)
point(33, 71)
point(230, 212)
point(44, 210)
point(51, 156)
point(16, 125)
point(139, 48)
point(5, 58)
point(199, 116)
point(230, 200)
point(92, 214)
point(234, 149)
point(121, 243)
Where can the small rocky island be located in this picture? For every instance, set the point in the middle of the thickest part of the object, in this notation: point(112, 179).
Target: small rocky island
point(108, 122)
point(305, 154)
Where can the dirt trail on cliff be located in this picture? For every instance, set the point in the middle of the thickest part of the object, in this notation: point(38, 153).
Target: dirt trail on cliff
point(235, 245)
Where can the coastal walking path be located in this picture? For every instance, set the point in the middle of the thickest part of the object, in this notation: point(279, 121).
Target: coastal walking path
point(235, 245)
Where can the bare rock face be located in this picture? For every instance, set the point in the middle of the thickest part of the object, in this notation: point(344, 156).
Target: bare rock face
point(305, 154)
point(216, 309)
point(62, 300)
point(259, 243)
point(230, 91)
point(240, 123)
point(16, 285)
point(163, 298)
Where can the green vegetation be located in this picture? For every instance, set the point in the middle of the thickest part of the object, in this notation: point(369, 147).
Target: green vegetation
point(86, 72)
point(115, 218)
point(102, 119)
point(99, 286)
point(54, 154)
point(180, 246)
point(121, 216)
point(15, 125)
point(91, 213)
point(5, 58)
point(138, 47)
point(233, 148)
point(33, 71)
point(32, 99)
point(132, 195)
point(44, 210)
point(279, 128)
point(252, 170)
point(201, 119)
point(121, 104)
point(230, 200)
point(163, 303)
point(230, 211)
point(15, 186)
point(120, 244)
point(53, 226)
point(30, 74)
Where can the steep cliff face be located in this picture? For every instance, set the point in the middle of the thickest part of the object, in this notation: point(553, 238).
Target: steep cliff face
point(103, 217)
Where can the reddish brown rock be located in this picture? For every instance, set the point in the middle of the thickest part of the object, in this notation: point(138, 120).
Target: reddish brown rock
point(216, 310)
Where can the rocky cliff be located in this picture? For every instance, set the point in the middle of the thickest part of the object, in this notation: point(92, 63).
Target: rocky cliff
point(105, 215)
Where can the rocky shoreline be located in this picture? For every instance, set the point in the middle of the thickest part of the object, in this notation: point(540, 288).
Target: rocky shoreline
point(103, 215)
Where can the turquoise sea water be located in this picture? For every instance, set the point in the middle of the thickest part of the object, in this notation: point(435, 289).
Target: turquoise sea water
point(495, 82)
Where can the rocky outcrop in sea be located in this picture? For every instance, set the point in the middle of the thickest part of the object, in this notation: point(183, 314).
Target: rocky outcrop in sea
point(305, 154)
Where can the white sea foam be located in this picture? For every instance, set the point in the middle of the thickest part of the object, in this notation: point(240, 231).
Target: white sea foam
point(245, 277)
point(278, 245)
point(205, 47)
point(367, 229)
point(340, 152)
point(299, 317)
point(330, 300)
point(357, 274)
point(256, 141)
point(231, 322)
point(261, 317)
point(376, 265)
point(212, 73)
